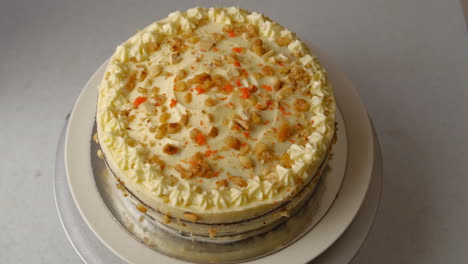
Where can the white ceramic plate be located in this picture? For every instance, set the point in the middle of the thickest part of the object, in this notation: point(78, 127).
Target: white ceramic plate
point(329, 229)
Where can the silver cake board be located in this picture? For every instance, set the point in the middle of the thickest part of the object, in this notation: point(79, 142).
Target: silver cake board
point(91, 250)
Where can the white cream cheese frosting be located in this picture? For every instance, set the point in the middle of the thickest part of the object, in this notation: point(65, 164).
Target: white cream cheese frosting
point(214, 115)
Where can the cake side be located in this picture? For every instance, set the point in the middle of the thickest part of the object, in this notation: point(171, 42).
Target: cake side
point(214, 115)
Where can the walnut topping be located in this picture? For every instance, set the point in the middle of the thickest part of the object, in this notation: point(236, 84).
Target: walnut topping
point(218, 80)
point(218, 36)
point(239, 181)
point(184, 119)
point(206, 44)
point(180, 75)
point(194, 133)
point(170, 149)
point(173, 128)
point(130, 84)
point(184, 173)
point(156, 160)
point(256, 118)
point(159, 99)
point(155, 70)
point(210, 102)
point(151, 47)
point(221, 183)
point(244, 149)
point(164, 117)
point(276, 84)
point(167, 219)
point(142, 90)
point(233, 142)
point(213, 132)
point(161, 131)
point(301, 105)
point(257, 47)
point(188, 98)
point(284, 132)
point(283, 41)
point(267, 71)
point(199, 167)
point(180, 86)
point(246, 162)
point(285, 92)
point(141, 208)
point(263, 152)
point(191, 217)
point(199, 78)
point(285, 160)
point(252, 31)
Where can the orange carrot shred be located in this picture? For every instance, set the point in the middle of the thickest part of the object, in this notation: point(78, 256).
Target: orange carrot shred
point(201, 139)
point(139, 100)
point(237, 49)
point(266, 87)
point(231, 34)
point(284, 111)
point(173, 103)
point(199, 89)
point(228, 87)
point(238, 83)
point(237, 64)
point(245, 93)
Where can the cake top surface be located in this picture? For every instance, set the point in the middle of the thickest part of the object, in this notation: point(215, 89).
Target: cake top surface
point(214, 108)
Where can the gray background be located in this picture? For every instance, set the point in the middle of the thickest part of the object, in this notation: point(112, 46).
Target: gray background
point(408, 59)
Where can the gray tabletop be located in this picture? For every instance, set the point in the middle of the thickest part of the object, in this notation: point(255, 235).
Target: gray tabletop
point(408, 59)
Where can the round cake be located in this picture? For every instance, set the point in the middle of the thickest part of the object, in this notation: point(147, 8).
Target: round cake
point(215, 117)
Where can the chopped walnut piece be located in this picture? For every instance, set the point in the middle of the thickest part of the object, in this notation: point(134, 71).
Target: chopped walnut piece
point(180, 86)
point(233, 142)
point(173, 128)
point(244, 149)
point(188, 98)
point(200, 167)
point(301, 105)
point(180, 75)
point(239, 181)
point(176, 44)
point(257, 47)
point(154, 159)
point(184, 173)
point(285, 92)
point(167, 219)
point(142, 90)
point(218, 80)
point(276, 84)
point(221, 183)
point(252, 30)
point(159, 99)
point(210, 102)
point(141, 208)
point(284, 132)
point(285, 160)
point(263, 152)
point(194, 133)
point(256, 118)
point(151, 47)
point(130, 118)
point(246, 162)
point(184, 119)
point(231, 58)
point(199, 78)
point(206, 44)
point(161, 131)
point(130, 84)
point(170, 149)
point(213, 132)
point(143, 74)
point(218, 36)
point(155, 70)
point(191, 217)
point(267, 71)
point(164, 117)
point(283, 41)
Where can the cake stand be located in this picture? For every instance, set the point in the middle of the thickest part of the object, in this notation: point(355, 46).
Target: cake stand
point(94, 244)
